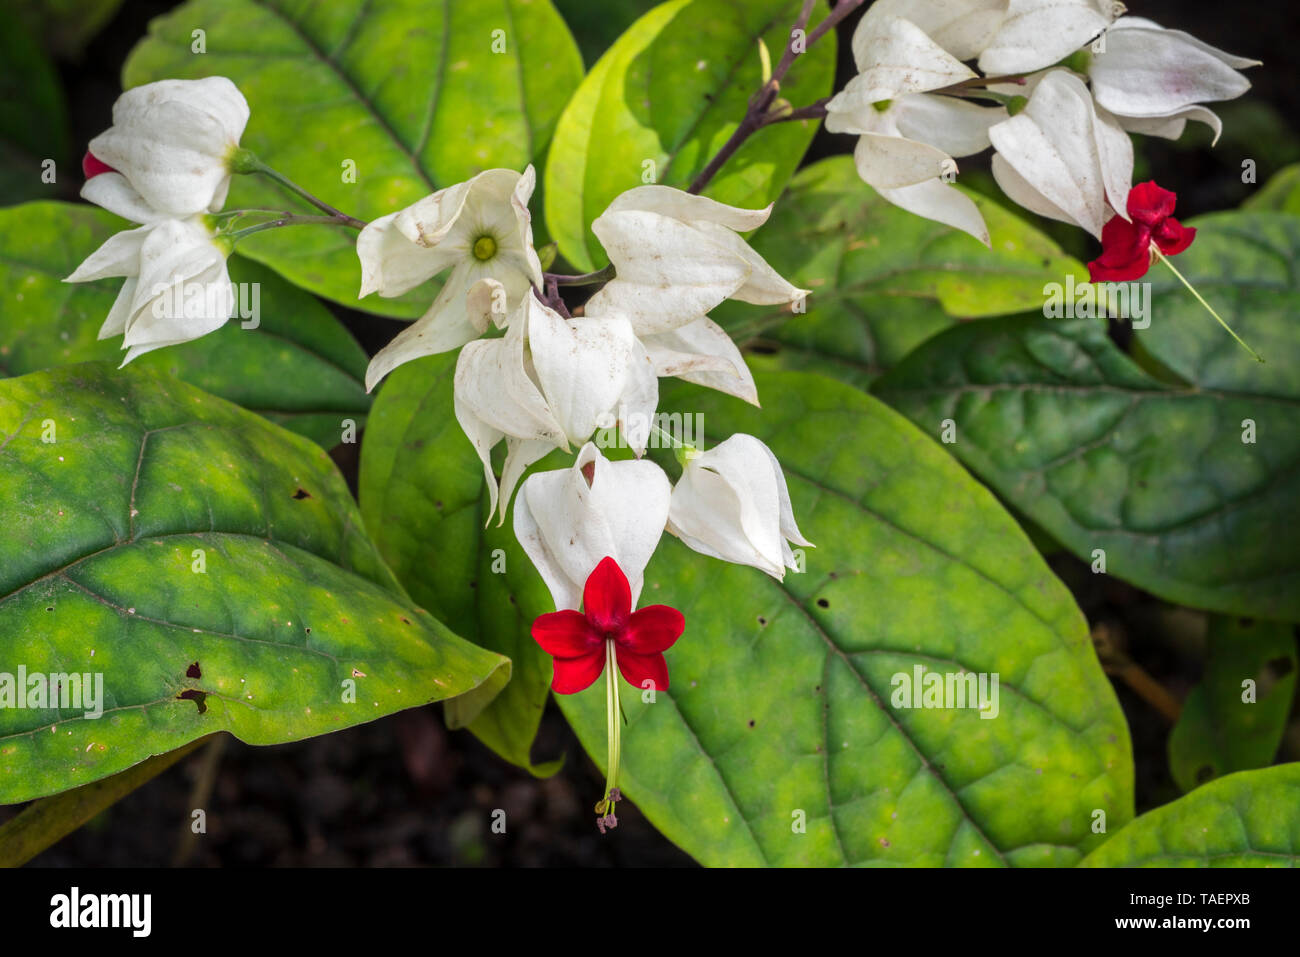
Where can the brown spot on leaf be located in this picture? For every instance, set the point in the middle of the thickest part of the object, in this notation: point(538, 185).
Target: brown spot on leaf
point(301, 494)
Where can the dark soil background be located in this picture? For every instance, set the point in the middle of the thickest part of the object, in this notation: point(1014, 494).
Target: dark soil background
point(405, 791)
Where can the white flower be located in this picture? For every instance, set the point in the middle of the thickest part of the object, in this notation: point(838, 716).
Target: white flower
point(1034, 34)
point(169, 148)
point(732, 503)
point(677, 256)
point(963, 28)
point(568, 520)
point(480, 229)
point(548, 382)
point(1155, 79)
point(908, 138)
point(1063, 156)
point(177, 287)
point(703, 353)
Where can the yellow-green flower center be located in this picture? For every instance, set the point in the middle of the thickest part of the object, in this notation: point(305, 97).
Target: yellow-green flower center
point(485, 247)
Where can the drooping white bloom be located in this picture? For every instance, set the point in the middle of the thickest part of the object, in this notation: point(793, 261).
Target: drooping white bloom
point(548, 383)
point(1034, 34)
point(701, 352)
point(177, 287)
point(732, 503)
point(677, 255)
point(169, 149)
point(963, 28)
point(1155, 80)
point(1064, 156)
point(479, 229)
point(909, 138)
point(568, 520)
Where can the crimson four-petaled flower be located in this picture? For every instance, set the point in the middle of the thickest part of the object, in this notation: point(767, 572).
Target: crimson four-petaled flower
point(1126, 246)
point(579, 641)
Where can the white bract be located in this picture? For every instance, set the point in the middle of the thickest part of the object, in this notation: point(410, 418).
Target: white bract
point(479, 229)
point(677, 255)
point(177, 287)
point(1034, 34)
point(169, 148)
point(732, 503)
point(568, 520)
point(908, 137)
point(1064, 156)
point(549, 382)
point(1155, 79)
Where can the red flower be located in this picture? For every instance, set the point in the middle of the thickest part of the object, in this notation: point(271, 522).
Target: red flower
point(92, 165)
point(579, 641)
point(1126, 247)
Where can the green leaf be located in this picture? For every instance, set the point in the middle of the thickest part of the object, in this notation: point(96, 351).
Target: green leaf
point(411, 92)
point(299, 367)
point(121, 483)
point(1249, 819)
point(781, 697)
point(1182, 487)
point(883, 280)
point(33, 120)
point(1227, 725)
point(1280, 194)
point(670, 93)
point(425, 503)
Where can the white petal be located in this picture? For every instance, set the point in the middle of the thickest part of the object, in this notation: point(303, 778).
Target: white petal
point(445, 326)
point(582, 365)
point(215, 95)
point(566, 526)
point(1020, 192)
point(668, 273)
point(937, 200)
point(1145, 72)
point(890, 162)
point(895, 56)
point(115, 322)
point(639, 400)
point(1038, 33)
point(1061, 148)
point(115, 194)
point(955, 127)
point(688, 208)
point(962, 27)
point(391, 264)
point(703, 353)
point(1232, 60)
point(1171, 127)
point(118, 256)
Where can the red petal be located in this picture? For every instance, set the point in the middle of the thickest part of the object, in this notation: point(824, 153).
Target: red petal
point(651, 629)
point(638, 669)
point(1125, 252)
point(607, 597)
point(1150, 205)
point(577, 674)
point(1173, 237)
point(92, 165)
point(565, 634)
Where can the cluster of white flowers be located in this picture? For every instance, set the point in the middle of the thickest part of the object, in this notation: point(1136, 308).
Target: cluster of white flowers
point(1065, 82)
point(552, 380)
point(165, 163)
point(549, 381)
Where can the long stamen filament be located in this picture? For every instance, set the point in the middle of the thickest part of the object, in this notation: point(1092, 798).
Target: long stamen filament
point(1199, 298)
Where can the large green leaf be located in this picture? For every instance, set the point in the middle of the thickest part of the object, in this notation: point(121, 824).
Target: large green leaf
point(1182, 487)
point(1234, 719)
point(670, 93)
point(426, 505)
point(33, 121)
point(299, 367)
point(146, 476)
point(1280, 194)
point(781, 695)
point(411, 91)
point(1248, 819)
point(883, 280)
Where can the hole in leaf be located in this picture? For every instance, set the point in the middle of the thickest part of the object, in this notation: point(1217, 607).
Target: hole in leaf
point(301, 494)
point(823, 603)
point(193, 671)
point(198, 697)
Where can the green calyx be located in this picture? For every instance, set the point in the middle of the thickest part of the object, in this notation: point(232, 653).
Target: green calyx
point(240, 160)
